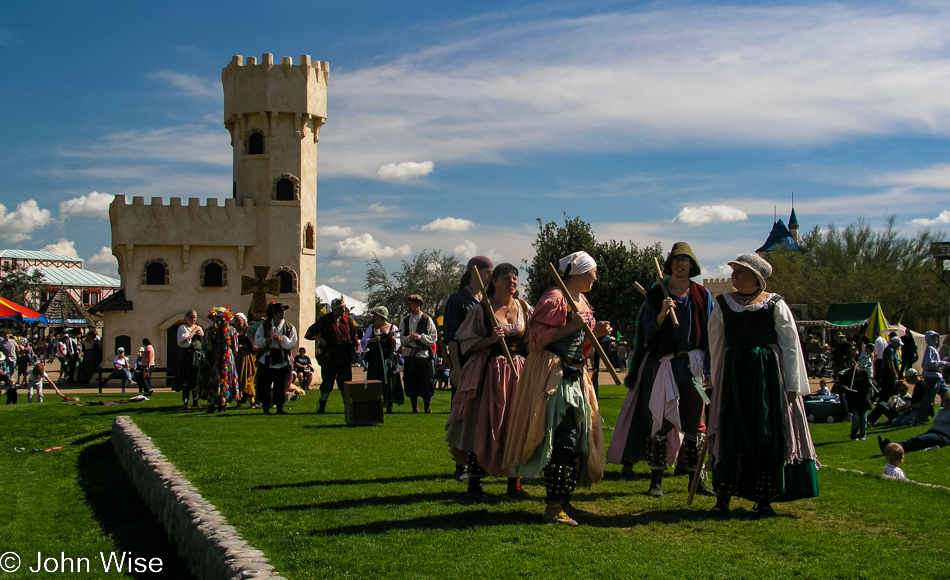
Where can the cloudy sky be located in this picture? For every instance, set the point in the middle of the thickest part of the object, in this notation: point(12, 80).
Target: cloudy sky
point(456, 125)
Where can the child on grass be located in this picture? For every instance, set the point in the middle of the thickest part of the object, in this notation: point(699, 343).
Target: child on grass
point(34, 380)
point(895, 457)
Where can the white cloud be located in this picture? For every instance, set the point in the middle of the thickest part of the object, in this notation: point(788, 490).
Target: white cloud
point(63, 247)
point(366, 247)
point(334, 231)
point(360, 295)
point(103, 262)
point(936, 177)
point(941, 220)
point(656, 76)
point(18, 225)
point(185, 144)
point(405, 170)
point(337, 280)
point(190, 85)
point(448, 224)
point(380, 208)
point(93, 204)
point(709, 214)
point(465, 249)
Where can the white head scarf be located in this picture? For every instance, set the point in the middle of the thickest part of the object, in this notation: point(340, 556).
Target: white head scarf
point(576, 263)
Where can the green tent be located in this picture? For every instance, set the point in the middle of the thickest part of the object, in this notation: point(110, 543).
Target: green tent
point(854, 314)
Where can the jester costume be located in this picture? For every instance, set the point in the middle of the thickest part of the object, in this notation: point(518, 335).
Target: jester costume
point(218, 376)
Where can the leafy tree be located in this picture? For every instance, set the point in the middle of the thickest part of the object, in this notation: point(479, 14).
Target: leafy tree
point(429, 274)
point(618, 267)
point(860, 264)
point(22, 286)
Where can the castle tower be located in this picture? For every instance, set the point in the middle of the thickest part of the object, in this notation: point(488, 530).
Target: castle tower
point(180, 256)
point(793, 221)
point(274, 114)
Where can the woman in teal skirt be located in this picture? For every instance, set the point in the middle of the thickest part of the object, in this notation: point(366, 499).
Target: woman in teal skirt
point(760, 446)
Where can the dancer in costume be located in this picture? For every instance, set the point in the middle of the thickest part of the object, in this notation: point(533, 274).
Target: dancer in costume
point(478, 423)
point(555, 419)
point(381, 343)
point(759, 444)
point(665, 405)
point(218, 375)
point(246, 362)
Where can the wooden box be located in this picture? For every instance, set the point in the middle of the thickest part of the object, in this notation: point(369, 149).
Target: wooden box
point(363, 403)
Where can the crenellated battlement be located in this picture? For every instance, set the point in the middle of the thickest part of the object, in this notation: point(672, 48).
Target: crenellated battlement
point(211, 224)
point(275, 89)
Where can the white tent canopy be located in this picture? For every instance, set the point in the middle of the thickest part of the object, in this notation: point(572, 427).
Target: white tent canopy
point(325, 294)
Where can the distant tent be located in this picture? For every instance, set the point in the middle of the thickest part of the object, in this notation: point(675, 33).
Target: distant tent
point(779, 239)
point(856, 314)
point(325, 294)
point(29, 315)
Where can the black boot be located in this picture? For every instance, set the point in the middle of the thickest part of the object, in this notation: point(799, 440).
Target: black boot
point(693, 446)
point(515, 489)
point(722, 505)
point(323, 408)
point(656, 483)
point(701, 488)
point(556, 486)
point(475, 474)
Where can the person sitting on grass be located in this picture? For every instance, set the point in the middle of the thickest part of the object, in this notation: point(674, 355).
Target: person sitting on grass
point(895, 457)
point(937, 436)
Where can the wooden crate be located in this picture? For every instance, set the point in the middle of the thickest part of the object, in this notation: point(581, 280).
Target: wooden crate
point(363, 403)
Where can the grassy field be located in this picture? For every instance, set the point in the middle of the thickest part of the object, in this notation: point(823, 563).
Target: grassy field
point(323, 500)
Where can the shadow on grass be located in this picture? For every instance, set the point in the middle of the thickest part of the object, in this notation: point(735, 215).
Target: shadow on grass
point(93, 437)
point(326, 482)
point(122, 514)
point(457, 521)
point(460, 498)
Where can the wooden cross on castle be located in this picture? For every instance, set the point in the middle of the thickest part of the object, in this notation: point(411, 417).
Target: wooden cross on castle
point(260, 286)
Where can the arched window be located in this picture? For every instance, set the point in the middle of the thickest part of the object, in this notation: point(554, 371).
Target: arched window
point(288, 280)
point(284, 190)
point(255, 143)
point(309, 240)
point(214, 273)
point(156, 273)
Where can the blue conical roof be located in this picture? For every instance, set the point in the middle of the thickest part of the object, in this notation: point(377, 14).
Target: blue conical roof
point(792, 220)
point(779, 239)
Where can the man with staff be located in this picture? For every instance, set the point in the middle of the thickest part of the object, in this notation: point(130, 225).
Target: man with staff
point(665, 406)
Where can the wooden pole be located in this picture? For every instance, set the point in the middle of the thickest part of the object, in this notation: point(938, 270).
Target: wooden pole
point(486, 304)
point(594, 341)
point(699, 469)
point(659, 282)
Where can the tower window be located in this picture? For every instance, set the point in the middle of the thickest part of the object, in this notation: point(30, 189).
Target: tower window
point(309, 241)
point(285, 190)
point(288, 280)
point(156, 273)
point(214, 274)
point(255, 143)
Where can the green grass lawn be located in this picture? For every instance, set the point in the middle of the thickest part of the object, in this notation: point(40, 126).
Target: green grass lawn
point(323, 500)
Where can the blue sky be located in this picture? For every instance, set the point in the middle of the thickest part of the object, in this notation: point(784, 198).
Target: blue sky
point(455, 125)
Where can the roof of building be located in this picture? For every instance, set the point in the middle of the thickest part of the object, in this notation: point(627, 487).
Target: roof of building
point(76, 277)
point(36, 255)
point(792, 219)
point(113, 302)
point(62, 310)
point(779, 239)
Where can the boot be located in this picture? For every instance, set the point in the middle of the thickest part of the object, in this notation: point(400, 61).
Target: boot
point(554, 514)
point(722, 505)
point(701, 488)
point(656, 483)
point(323, 407)
point(475, 486)
point(475, 474)
point(515, 489)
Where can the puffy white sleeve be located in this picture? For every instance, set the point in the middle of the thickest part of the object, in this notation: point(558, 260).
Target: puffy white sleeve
point(714, 330)
point(794, 373)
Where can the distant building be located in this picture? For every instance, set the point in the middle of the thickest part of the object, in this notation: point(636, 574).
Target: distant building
point(61, 273)
point(782, 237)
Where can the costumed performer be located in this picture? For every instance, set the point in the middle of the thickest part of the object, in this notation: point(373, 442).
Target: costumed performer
point(555, 421)
point(380, 343)
point(760, 447)
point(666, 402)
point(477, 426)
point(218, 375)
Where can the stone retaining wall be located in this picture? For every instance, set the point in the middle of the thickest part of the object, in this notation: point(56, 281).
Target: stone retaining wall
point(213, 549)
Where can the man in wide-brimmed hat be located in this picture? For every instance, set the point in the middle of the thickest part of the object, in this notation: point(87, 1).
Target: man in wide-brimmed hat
point(665, 408)
point(418, 333)
point(336, 341)
point(276, 338)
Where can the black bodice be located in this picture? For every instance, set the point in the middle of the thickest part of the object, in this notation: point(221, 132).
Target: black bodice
point(749, 328)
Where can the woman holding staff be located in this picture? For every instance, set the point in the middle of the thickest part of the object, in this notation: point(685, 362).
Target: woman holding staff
point(477, 427)
point(759, 444)
point(381, 342)
point(555, 419)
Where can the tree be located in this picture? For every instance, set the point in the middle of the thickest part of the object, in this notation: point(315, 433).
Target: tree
point(429, 274)
point(859, 264)
point(618, 267)
point(22, 286)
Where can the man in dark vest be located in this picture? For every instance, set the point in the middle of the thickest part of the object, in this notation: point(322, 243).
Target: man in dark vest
point(275, 338)
point(336, 341)
point(418, 333)
point(668, 401)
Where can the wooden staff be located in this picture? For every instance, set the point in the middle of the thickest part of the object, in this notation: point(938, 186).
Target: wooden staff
point(640, 289)
point(594, 341)
point(486, 304)
point(659, 282)
point(699, 469)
